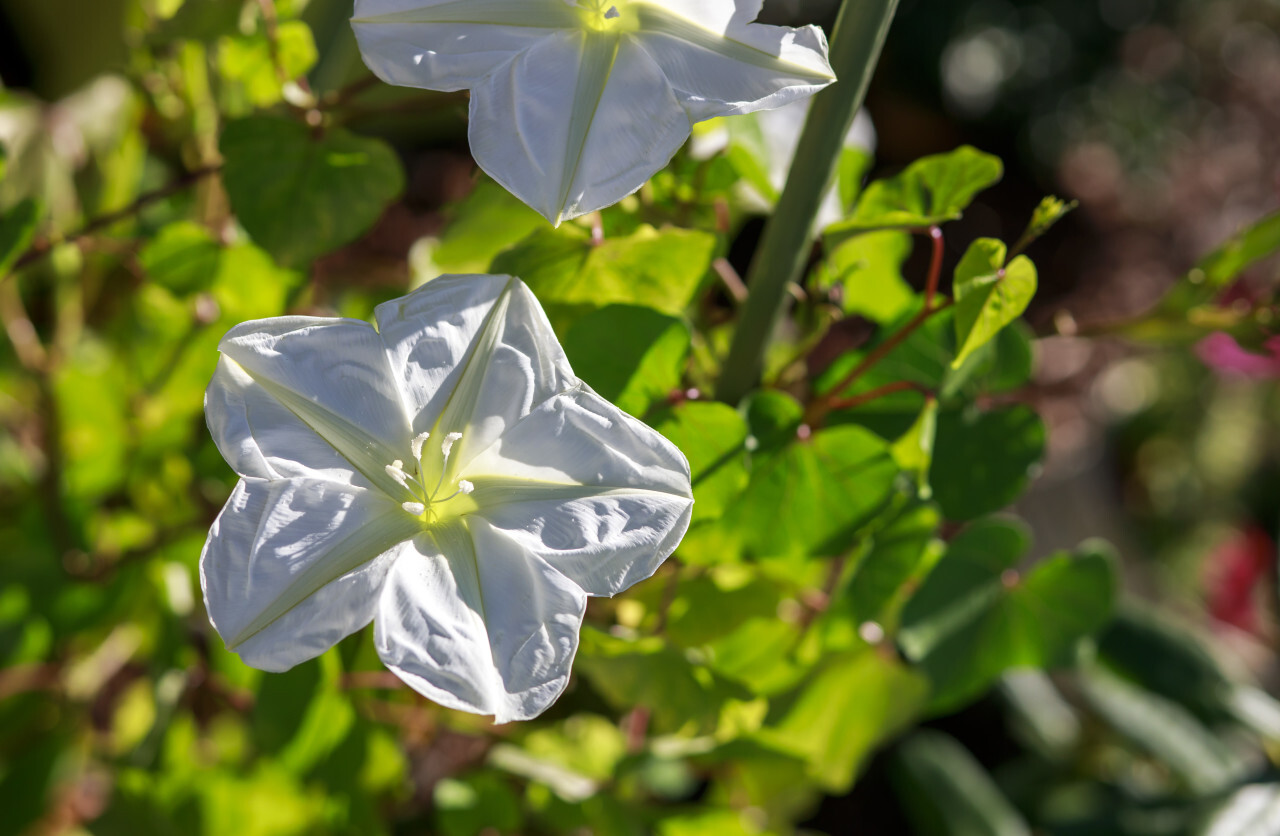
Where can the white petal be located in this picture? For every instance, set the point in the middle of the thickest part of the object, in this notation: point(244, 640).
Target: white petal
point(737, 69)
point(479, 369)
point(576, 122)
point(260, 437)
point(603, 540)
point(479, 625)
point(579, 438)
point(332, 374)
point(450, 44)
point(292, 566)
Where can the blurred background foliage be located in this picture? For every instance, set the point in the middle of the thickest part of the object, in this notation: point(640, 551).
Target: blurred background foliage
point(884, 655)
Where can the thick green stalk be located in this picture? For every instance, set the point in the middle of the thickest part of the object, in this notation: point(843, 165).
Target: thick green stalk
point(784, 248)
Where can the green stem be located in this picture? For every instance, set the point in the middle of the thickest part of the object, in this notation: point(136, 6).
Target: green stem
point(784, 248)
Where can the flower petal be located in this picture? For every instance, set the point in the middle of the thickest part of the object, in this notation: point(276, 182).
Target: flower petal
point(481, 369)
point(576, 122)
point(602, 540)
point(478, 624)
point(332, 374)
point(292, 566)
point(450, 44)
point(739, 68)
point(579, 438)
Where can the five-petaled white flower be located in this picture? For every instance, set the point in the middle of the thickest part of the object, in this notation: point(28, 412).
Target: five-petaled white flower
point(444, 475)
point(575, 103)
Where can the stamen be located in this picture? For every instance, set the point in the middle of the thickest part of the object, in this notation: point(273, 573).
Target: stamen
point(464, 487)
point(415, 508)
point(447, 445)
point(396, 471)
point(415, 446)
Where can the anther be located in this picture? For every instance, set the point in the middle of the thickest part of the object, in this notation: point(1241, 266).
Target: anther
point(415, 446)
point(447, 444)
point(415, 508)
point(396, 471)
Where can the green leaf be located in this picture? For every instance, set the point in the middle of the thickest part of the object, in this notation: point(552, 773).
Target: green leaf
point(713, 437)
point(248, 65)
point(847, 708)
point(774, 417)
point(913, 451)
point(17, 230)
point(631, 355)
point(183, 257)
point(1048, 212)
point(850, 171)
point(660, 269)
point(680, 694)
point(904, 549)
point(810, 497)
point(983, 460)
point(989, 294)
point(301, 195)
point(484, 223)
point(976, 616)
point(867, 270)
point(932, 190)
point(946, 792)
point(475, 804)
point(1224, 265)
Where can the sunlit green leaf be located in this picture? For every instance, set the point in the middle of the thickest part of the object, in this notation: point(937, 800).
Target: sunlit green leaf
point(868, 271)
point(930, 191)
point(300, 193)
point(644, 359)
point(989, 294)
point(713, 438)
point(913, 451)
point(259, 68)
point(182, 257)
point(901, 550)
point(661, 269)
point(484, 223)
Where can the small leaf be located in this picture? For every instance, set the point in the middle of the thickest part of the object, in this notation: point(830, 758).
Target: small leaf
point(946, 792)
point(982, 461)
point(1048, 212)
point(930, 191)
point(300, 195)
point(17, 230)
point(976, 616)
point(851, 170)
point(989, 294)
point(249, 63)
point(631, 355)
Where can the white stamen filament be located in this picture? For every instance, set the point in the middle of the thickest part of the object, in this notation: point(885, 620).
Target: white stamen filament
point(464, 487)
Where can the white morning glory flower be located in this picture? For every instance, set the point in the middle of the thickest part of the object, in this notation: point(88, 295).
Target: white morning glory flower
point(576, 103)
point(444, 475)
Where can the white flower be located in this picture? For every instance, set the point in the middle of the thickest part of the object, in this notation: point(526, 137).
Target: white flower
point(445, 476)
point(575, 104)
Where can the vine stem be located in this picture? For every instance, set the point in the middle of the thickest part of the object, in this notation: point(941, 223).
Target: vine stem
point(858, 37)
point(42, 248)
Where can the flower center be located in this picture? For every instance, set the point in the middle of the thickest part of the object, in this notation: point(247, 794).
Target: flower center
point(433, 501)
point(608, 15)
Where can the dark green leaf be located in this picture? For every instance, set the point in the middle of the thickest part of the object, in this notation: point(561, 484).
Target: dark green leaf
point(301, 195)
point(930, 191)
point(774, 418)
point(946, 792)
point(983, 460)
point(898, 552)
point(17, 230)
point(989, 294)
point(631, 355)
point(976, 616)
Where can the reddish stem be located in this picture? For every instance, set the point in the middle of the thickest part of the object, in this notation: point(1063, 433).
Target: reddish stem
point(935, 266)
point(877, 393)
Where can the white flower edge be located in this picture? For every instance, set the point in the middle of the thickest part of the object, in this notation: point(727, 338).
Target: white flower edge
point(575, 105)
point(544, 494)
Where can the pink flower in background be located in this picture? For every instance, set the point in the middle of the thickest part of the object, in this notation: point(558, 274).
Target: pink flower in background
point(1223, 354)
